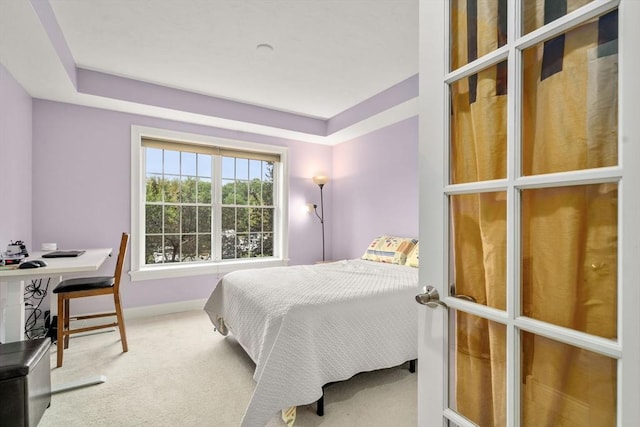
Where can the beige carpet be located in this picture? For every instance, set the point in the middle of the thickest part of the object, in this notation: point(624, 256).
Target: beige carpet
point(179, 371)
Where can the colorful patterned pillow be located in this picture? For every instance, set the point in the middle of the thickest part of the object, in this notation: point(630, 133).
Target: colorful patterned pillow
point(370, 254)
point(390, 249)
point(414, 256)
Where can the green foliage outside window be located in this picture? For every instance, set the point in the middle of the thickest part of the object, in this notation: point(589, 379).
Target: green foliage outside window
point(179, 213)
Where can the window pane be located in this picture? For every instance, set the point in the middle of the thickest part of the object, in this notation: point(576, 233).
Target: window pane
point(255, 244)
point(204, 247)
point(204, 219)
point(267, 244)
point(242, 219)
point(563, 385)
point(188, 248)
point(188, 164)
point(228, 192)
point(153, 160)
point(243, 245)
point(255, 192)
point(171, 187)
point(204, 165)
point(204, 190)
point(255, 169)
point(153, 219)
point(171, 247)
point(242, 192)
point(537, 13)
point(267, 193)
point(479, 126)
point(242, 168)
point(570, 254)
point(228, 219)
point(171, 219)
point(479, 240)
point(189, 219)
point(477, 28)
point(171, 162)
point(228, 245)
point(570, 98)
point(268, 171)
point(153, 188)
point(153, 253)
point(188, 190)
point(228, 168)
point(267, 219)
point(477, 372)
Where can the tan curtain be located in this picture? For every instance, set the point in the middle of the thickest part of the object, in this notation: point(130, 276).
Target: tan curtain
point(478, 133)
point(570, 246)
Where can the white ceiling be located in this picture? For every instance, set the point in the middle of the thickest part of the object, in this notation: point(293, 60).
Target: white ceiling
point(328, 55)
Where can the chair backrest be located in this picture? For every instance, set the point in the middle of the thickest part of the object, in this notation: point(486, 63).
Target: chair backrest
point(124, 241)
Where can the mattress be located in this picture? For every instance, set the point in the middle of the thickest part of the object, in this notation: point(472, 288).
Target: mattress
point(305, 326)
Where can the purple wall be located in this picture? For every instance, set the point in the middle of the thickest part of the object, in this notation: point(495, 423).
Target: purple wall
point(15, 161)
point(81, 189)
point(376, 188)
point(76, 160)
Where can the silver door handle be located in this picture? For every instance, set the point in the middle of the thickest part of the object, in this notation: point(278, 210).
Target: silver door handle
point(431, 298)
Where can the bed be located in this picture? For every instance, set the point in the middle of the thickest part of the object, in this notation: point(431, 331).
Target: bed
point(309, 325)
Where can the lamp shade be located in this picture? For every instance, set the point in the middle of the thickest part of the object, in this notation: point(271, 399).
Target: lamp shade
point(321, 179)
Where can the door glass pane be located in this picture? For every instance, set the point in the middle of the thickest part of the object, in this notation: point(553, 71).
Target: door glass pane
point(477, 377)
point(569, 257)
point(478, 27)
point(537, 13)
point(478, 233)
point(570, 99)
point(563, 385)
point(479, 126)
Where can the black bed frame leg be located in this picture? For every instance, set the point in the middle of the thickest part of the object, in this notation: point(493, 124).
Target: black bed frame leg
point(320, 408)
point(412, 365)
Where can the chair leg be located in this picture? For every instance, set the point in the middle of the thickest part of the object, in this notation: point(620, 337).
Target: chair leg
point(60, 343)
point(66, 321)
point(120, 318)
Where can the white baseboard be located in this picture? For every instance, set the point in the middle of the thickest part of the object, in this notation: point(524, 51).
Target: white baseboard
point(160, 309)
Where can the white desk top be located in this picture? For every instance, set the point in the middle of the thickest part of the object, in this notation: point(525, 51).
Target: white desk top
point(91, 260)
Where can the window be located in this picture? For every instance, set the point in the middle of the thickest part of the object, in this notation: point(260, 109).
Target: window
point(204, 205)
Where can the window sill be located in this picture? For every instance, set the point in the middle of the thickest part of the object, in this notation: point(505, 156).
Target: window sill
point(176, 270)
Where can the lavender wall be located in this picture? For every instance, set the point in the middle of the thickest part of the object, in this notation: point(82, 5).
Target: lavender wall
point(375, 188)
point(15, 161)
point(81, 190)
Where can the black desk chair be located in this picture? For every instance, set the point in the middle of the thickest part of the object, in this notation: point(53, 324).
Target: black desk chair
point(88, 287)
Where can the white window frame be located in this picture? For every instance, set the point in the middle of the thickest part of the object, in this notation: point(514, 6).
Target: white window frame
point(140, 271)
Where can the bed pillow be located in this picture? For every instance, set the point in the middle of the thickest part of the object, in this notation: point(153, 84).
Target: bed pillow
point(371, 253)
point(414, 256)
point(389, 249)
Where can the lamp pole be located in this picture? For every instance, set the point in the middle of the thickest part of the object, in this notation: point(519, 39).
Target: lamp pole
point(321, 181)
point(322, 218)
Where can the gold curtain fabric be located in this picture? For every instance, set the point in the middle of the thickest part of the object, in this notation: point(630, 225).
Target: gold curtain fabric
point(569, 234)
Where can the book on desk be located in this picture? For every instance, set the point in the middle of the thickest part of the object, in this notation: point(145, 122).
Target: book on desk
point(63, 254)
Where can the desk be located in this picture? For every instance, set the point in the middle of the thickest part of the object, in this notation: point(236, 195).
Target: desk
point(12, 313)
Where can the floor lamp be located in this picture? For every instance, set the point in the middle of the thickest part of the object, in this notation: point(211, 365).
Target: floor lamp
point(321, 181)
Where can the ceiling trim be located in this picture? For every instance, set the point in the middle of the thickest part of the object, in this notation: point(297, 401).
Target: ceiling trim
point(388, 107)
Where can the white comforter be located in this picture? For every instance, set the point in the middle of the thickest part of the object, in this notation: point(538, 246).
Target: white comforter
point(308, 325)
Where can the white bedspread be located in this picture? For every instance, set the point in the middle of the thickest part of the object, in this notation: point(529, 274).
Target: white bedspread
point(305, 326)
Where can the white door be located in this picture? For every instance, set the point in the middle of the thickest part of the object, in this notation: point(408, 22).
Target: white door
point(529, 213)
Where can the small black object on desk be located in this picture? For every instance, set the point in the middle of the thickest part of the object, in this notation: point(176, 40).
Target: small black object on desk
point(34, 263)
